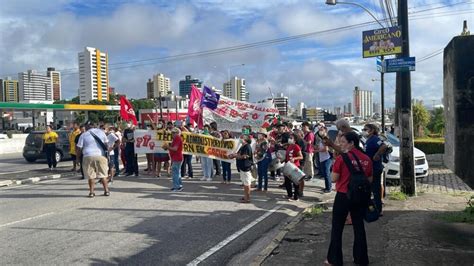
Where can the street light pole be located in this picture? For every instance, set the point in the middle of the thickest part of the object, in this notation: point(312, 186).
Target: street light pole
point(228, 70)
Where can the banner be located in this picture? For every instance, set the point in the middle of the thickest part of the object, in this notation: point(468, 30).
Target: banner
point(194, 106)
point(233, 115)
point(151, 141)
point(386, 41)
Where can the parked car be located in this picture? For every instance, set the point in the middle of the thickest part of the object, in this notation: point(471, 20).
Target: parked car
point(392, 168)
point(33, 149)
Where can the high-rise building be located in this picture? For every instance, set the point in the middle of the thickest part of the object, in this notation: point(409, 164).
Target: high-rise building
point(299, 109)
point(56, 77)
point(93, 75)
point(185, 85)
point(8, 90)
point(377, 108)
point(33, 86)
point(362, 103)
point(150, 90)
point(349, 108)
point(281, 103)
point(235, 89)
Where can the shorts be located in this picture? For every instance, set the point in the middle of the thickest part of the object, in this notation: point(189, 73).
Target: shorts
point(246, 177)
point(73, 157)
point(95, 167)
point(161, 157)
point(308, 167)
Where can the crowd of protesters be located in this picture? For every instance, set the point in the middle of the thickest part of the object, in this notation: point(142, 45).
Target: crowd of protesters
point(96, 149)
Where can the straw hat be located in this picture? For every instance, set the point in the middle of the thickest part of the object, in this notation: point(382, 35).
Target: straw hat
point(263, 131)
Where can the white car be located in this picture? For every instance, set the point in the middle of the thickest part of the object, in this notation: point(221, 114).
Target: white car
point(392, 168)
point(3, 136)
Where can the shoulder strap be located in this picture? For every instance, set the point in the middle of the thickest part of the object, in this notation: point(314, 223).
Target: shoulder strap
point(348, 162)
point(358, 163)
point(99, 141)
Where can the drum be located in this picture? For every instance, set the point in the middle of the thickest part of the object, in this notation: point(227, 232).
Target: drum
point(275, 164)
point(293, 172)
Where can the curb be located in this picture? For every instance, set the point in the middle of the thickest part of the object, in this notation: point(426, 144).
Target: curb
point(277, 239)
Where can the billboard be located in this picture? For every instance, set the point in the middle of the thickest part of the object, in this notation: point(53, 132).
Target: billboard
point(386, 41)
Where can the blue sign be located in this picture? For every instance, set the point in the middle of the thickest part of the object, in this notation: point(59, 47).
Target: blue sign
point(380, 65)
point(400, 64)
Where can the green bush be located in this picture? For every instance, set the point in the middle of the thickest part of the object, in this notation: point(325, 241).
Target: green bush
point(430, 146)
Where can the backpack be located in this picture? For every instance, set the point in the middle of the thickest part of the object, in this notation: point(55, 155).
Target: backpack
point(359, 189)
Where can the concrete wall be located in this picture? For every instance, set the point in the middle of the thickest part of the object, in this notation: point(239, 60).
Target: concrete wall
point(13, 145)
point(459, 107)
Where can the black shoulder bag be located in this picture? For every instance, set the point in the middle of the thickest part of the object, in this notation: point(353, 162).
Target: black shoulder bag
point(101, 144)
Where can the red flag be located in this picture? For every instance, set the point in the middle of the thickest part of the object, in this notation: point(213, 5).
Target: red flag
point(194, 105)
point(126, 110)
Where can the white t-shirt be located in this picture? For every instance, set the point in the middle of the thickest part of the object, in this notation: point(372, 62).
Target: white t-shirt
point(112, 138)
point(89, 145)
point(323, 155)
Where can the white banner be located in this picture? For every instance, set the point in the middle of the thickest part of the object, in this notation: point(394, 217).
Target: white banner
point(233, 115)
point(151, 141)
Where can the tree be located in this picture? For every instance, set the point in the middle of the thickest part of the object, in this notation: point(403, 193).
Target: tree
point(436, 124)
point(421, 118)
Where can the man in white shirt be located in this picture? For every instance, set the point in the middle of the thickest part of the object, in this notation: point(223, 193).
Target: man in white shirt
point(93, 145)
point(114, 142)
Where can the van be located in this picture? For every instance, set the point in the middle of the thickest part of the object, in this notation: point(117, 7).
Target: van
point(33, 149)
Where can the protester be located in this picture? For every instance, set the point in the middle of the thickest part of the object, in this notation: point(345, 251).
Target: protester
point(162, 158)
point(308, 167)
point(78, 153)
point(117, 150)
point(130, 156)
point(226, 172)
point(244, 158)
point(299, 140)
point(375, 148)
point(72, 145)
point(263, 158)
point(187, 158)
point(349, 144)
point(113, 142)
point(325, 161)
point(293, 155)
point(206, 162)
point(216, 134)
point(49, 139)
point(176, 154)
point(93, 146)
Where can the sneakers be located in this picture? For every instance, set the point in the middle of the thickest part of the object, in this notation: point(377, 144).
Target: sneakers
point(177, 189)
point(209, 179)
point(202, 178)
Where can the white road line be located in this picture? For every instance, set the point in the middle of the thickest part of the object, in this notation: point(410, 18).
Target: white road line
point(226, 241)
point(27, 219)
point(14, 172)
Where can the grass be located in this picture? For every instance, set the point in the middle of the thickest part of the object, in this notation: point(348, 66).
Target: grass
point(314, 211)
point(465, 216)
point(398, 196)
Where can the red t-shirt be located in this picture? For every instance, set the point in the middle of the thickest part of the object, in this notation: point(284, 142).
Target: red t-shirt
point(177, 156)
point(340, 168)
point(309, 137)
point(292, 151)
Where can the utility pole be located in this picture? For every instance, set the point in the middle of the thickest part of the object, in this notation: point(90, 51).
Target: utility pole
point(382, 97)
point(407, 166)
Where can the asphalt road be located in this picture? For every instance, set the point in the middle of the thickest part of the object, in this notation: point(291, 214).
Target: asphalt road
point(142, 222)
point(13, 163)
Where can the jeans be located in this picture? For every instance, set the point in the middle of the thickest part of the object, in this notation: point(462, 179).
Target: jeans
point(116, 160)
point(187, 161)
point(50, 150)
point(325, 172)
point(262, 168)
point(226, 174)
point(376, 185)
point(217, 165)
point(175, 174)
point(130, 157)
point(206, 164)
point(289, 185)
point(342, 206)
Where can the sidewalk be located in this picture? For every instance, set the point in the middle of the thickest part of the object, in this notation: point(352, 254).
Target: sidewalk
point(409, 233)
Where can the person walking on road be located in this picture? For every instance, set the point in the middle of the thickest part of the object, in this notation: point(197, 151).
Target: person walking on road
point(349, 144)
point(78, 153)
point(93, 145)
point(206, 162)
point(263, 157)
point(176, 154)
point(325, 161)
point(49, 139)
point(226, 166)
point(75, 131)
point(244, 159)
point(130, 156)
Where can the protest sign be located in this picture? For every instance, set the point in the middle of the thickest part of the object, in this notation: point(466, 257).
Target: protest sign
point(232, 115)
point(151, 141)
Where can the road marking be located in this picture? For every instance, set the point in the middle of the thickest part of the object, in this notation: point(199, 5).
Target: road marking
point(27, 219)
point(14, 172)
point(226, 241)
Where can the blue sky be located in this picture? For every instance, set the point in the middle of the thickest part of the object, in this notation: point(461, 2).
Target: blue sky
point(321, 70)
